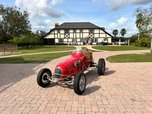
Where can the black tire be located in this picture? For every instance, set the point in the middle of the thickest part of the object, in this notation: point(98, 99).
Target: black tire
point(42, 77)
point(101, 66)
point(78, 87)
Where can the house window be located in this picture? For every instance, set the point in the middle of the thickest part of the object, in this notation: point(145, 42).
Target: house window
point(66, 31)
point(61, 31)
point(71, 31)
point(106, 40)
point(58, 31)
point(95, 40)
point(91, 31)
point(81, 31)
point(78, 30)
point(60, 40)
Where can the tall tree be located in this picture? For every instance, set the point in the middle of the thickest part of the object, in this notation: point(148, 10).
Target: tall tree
point(123, 32)
point(40, 34)
point(13, 22)
point(144, 22)
point(115, 32)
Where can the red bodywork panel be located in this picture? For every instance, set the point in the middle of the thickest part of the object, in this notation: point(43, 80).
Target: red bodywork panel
point(78, 61)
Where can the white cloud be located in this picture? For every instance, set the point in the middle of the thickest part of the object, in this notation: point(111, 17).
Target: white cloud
point(42, 25)
point(116, 4)
point(113, 25)
point(54, 2)
point(40, 11)
point(39, 8)
point(122, 20)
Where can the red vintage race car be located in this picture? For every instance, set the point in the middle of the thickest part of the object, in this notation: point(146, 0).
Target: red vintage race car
point(71, 71)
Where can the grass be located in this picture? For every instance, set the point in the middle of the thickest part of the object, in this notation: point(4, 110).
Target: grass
point(37, 49)
point(130, 58)
point(119, 48)
point(38, 58)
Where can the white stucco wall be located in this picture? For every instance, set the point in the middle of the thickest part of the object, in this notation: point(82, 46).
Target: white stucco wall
point(96, 35)
point(102, 35)
point(71, 35)
point(56, 40)
point(102, 31)
point(85, 35)
point(70, 40)
point(100, 40)
point(109, 40)
point(65, 40)
point(61, 31)
point(85, 30)
point(96, 31)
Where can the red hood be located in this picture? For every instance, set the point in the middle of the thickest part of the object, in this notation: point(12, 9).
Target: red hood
point(67, 66)
point(68, 62)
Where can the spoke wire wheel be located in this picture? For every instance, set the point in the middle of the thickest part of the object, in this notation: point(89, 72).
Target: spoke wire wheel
point(79, 83)
point(45, 78)
point(82, 83)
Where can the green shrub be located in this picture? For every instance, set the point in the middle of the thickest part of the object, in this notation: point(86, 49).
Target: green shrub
point(24, 41)
point(143, 42)
point(60, 44)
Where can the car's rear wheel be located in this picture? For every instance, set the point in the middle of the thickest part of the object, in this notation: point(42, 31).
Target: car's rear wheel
point(101, 66)
point(79, 83)
point(43, 77)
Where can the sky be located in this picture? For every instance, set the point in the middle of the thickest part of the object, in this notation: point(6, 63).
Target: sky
point(111, 14)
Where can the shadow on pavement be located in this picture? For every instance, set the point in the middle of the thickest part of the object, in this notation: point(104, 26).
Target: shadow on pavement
point(109, 72)
point(93, 76)
point(12, 73)
point(91, 89)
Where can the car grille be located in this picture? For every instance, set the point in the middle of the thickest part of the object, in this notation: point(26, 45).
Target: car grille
point(58, 73)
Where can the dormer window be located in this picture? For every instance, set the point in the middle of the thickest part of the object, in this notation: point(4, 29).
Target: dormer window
point(66, 31)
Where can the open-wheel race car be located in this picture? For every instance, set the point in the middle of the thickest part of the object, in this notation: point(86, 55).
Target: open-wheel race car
point(71, 71)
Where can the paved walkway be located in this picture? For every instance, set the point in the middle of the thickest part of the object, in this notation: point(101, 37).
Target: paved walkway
point(126, 88)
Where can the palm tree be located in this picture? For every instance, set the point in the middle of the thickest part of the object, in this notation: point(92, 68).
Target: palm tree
point(123, 32)
point(115, 32)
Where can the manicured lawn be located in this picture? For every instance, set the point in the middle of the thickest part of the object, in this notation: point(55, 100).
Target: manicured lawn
point(130, 58)
point(38, 58)
point(37, 49)
point(119, 48)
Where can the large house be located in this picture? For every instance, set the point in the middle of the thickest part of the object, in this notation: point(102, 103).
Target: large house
point(77, 33)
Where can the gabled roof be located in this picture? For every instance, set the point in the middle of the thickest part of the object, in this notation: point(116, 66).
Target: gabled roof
point(76, 25)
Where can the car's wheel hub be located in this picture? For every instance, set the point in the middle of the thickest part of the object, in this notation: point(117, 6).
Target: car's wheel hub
point(82, 83)
point(45, 78)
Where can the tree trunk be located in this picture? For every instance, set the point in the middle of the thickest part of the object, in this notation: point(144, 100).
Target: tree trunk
point(128, 42)
point(151, 47)
point(119, 41)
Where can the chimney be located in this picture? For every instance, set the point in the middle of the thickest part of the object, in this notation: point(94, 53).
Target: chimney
point(103, 28)
point(56, 25)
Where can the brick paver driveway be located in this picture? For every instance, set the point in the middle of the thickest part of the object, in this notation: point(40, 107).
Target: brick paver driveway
point(124, 89)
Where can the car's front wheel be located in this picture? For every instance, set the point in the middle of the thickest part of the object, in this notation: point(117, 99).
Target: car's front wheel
point(43, 77)
point(79, 83)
